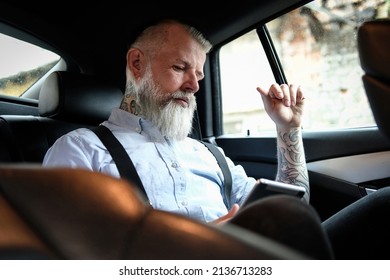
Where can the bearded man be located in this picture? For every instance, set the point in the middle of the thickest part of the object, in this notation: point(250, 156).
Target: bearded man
point(179, 174)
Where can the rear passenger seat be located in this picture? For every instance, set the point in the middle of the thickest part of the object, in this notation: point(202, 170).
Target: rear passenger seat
point(67, 101)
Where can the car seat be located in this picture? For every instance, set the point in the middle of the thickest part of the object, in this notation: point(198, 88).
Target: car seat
point(63, 213)
point(67, 101)
point(373, 47)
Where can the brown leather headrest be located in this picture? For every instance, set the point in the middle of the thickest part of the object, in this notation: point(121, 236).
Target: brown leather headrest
point(79, 214)
point(374, 45)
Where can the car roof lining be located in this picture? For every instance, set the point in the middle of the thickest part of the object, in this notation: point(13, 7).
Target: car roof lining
point(91, 27)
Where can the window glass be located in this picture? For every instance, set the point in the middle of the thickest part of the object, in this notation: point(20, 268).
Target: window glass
point(22, 64)
point(244, 66)
point(316, 45)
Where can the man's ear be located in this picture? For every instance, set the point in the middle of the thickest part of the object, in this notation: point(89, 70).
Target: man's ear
point(135, 62)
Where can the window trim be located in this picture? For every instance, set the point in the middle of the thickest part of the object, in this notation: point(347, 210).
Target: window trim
point(270, 52)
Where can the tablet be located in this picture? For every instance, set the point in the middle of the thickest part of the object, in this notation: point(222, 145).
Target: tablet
point(266, 187)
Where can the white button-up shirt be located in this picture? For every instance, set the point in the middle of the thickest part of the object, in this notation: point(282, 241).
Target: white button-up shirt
point(178, 176)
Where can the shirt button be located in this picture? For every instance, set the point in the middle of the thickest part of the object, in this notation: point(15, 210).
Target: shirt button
point(174, 165)
point(138, 129)
point(184, 203)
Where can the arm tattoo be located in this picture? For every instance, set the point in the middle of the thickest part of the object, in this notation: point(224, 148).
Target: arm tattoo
point(292, 167)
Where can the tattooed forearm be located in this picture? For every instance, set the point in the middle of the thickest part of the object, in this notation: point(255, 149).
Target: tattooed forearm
point(292, 167)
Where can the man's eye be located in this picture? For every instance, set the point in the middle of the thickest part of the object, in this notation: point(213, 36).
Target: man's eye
point(178, 68)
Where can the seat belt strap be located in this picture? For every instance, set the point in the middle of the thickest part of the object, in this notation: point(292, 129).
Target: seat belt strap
point(227, 185)
point(121, 158)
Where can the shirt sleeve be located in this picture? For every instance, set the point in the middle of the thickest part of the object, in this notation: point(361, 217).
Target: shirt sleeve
point(242, 184)
point(69, 151)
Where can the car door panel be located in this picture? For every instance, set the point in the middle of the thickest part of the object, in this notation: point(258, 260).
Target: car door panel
point(331, 189)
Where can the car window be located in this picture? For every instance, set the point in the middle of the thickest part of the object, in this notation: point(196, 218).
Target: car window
point(244, 65)
point(316, 46)
point(22, 65)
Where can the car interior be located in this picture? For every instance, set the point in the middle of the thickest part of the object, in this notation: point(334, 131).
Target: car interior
point(64, 213)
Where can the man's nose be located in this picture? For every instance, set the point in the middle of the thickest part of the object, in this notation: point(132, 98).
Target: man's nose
point(191, 84)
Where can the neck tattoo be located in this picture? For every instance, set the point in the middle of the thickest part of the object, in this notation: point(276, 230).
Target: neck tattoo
point(130, 105)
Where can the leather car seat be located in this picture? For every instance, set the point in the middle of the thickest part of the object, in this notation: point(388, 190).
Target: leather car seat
point(62, 213)
point(67, 101)
point(374, 52)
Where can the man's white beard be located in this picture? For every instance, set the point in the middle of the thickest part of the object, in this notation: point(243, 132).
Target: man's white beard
point(173, 120)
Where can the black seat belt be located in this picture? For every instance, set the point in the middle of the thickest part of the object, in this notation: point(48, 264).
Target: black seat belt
point(127, 169)
point(225, 171)
point(121, 158)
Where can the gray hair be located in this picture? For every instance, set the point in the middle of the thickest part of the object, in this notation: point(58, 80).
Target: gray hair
point(154, 36)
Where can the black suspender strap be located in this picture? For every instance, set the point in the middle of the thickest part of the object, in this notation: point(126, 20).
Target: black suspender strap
point(127, 169)
point(122, 160)
point(225, 170)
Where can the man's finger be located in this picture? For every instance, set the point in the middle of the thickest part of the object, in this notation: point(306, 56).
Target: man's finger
point(293, 94)
point(286, 94)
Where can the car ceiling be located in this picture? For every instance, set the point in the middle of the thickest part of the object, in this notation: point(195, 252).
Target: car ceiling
point(84, 33)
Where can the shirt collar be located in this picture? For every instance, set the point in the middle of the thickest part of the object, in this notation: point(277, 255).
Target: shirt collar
point(135, 123)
